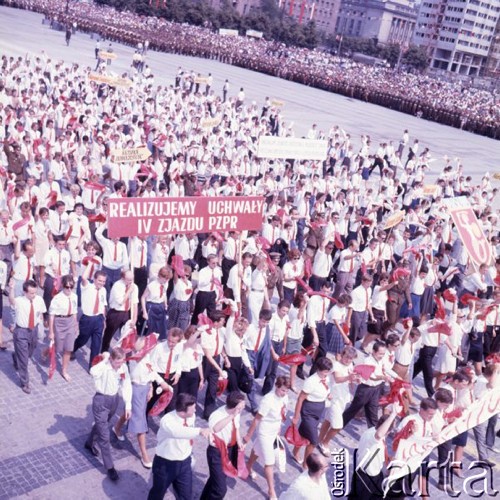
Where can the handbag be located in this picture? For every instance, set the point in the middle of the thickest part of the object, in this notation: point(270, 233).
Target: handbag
point(245, 381)
point(280, 454)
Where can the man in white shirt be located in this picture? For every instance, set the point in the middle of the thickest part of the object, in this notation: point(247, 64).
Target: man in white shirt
point(225, 425)
point(111, 377)
point(123, 305)
point(28, 311)
point(172, 462)
point(311, 484)
point(209, 287)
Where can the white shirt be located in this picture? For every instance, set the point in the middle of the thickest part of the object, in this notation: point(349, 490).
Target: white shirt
point(64, 305)
point(22, 308)
point(117, 299)
point(315, 389)
point(316, 310)
point(306, 488)
point(175, 435)
point(278, 327)
point(57, 263)
point(89, 294)
point(108, 381)
point(371, 452)
point(227, 432)
point(212, 339)
point(206, 277)
point(361, 297)
point(322, 264)
point(161, 355)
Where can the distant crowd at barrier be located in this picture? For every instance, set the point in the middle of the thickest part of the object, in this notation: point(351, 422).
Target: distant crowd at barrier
point(450, 103)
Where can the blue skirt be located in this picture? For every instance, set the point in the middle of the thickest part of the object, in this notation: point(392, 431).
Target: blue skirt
point(335, 341)
point(138, 423)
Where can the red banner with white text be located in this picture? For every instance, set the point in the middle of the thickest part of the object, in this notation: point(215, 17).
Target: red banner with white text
point(158, 216)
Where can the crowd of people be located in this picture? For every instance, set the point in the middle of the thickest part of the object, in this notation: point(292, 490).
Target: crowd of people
point(451, 103)
point(326, 285)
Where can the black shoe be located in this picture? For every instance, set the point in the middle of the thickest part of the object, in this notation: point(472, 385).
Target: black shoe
point(72, 356)
point(113, 475)
point(26, 389)
point(92, 449)
point(301, 375)
point(14, 361)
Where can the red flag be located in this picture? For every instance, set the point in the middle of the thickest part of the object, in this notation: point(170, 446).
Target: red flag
point(227, 467)
point(177, 265)
point(441, 311)
point(97, 359)
point(52, 358)
point(450, 295)
point(149, 345)
point(440, 327)
point(365, 371)
point(339, 244)
point(293, 437)
point(128, 342)
point(161, 403)
point(221, 386)
point(406, 432)
point(292, 359)
point(398, 393)
point(263, 242)
point(468, 297)
point(97, 218)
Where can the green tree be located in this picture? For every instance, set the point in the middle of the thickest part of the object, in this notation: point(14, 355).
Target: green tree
point(416, 57)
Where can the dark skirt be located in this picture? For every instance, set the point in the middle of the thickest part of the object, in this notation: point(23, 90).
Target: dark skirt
point(179, 314)
point(335, 340)
point(427, 303)
point(311, 414)
point(138, 423)
point(157, 319)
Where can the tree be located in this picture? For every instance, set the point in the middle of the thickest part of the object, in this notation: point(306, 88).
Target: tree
point(416, 57)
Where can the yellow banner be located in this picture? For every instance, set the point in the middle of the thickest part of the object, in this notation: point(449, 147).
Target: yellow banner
point(131, 155)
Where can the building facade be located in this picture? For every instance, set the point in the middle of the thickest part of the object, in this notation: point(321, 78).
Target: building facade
point(387, 21)
point(458, 34)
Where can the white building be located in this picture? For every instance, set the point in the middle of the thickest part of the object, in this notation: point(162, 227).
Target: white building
point(389, 21)
point(457, 33)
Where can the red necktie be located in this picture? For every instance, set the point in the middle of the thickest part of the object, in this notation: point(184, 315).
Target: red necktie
point(367, 299)
point(69, 306)
point(351, 265)
point(233, 435)
point(115, 258)
point(325, 385)
point(169, 364)
point(212, 284)
point(256, 347)
point(186, 425)
point(283, 413)
point(96, 303)
point(31, 320)
point(91, 272)
point(127, 300)
point(59, 266)
point(162, 289)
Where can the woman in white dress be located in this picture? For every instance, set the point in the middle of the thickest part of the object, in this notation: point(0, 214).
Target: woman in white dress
point(343, 376)
point(449, 350)
point(267, 422)
point(42, 230)
point(258, 292)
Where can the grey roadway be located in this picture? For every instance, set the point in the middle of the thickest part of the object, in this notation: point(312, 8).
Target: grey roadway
point(42, 434)
point(22, 31)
